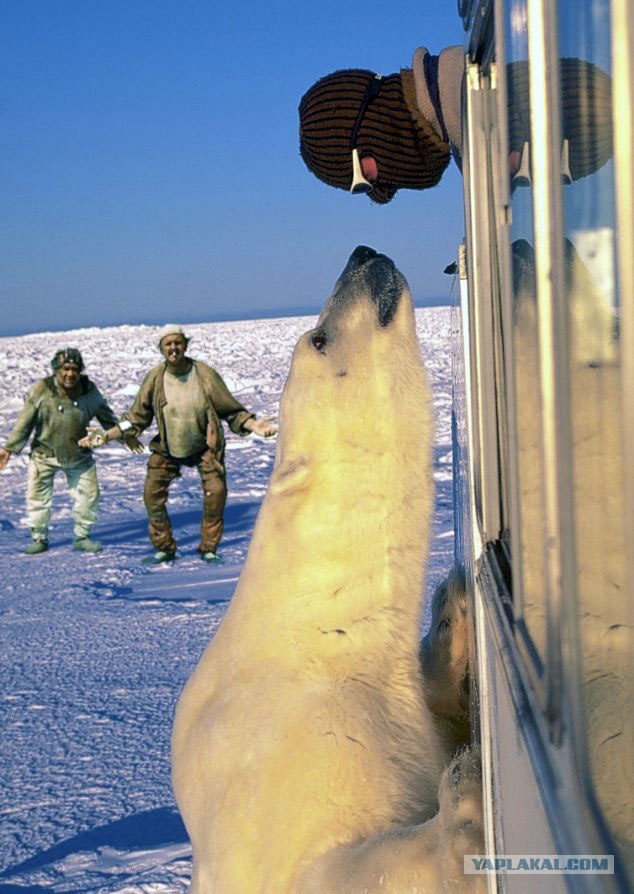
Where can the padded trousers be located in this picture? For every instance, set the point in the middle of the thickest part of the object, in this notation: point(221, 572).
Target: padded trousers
point(83, 487)
point(161, 471)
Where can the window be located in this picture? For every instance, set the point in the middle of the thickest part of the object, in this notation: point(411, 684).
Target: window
point(601, 543)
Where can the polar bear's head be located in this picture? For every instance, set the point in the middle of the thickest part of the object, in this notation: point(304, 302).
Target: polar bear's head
point(356, 393)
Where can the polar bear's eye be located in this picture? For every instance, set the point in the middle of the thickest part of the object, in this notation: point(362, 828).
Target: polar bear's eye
point(318, 340)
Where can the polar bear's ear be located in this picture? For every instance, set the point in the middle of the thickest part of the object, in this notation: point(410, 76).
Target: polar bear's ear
point(290, 476)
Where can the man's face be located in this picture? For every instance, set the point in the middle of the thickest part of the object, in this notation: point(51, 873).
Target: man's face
point(67, 376)
point(173, 348)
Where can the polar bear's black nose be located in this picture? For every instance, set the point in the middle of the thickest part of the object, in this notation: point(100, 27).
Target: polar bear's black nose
point(384, 285)
point(375, 275)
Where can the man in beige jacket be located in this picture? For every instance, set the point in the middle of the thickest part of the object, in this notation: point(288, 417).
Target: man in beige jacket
point(189, 400)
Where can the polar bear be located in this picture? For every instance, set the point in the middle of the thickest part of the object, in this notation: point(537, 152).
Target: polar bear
point(305, 758)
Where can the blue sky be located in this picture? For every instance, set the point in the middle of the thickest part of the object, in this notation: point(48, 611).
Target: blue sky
point(150, 164)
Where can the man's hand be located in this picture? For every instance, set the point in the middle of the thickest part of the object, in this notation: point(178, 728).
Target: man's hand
point(5, 456)
point(266, 428)
point(95, 437)
point(134, 445)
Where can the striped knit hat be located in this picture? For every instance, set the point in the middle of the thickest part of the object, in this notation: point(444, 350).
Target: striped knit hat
point(408, 151)
point(586, 112)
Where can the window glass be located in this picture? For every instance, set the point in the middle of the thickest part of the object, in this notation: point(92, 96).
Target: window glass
point(528, 559)
point(607, 646)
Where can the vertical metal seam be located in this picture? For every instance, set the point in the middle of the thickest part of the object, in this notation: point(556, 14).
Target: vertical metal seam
point(623, 118)
point(506, 296)
point(469, 313)
point(481, 282)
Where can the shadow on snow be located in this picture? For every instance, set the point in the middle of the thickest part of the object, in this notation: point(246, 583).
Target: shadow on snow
point(150, 830)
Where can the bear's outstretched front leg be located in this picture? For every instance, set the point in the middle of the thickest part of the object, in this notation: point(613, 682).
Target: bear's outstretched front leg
point(444, 657)
point(426, 858)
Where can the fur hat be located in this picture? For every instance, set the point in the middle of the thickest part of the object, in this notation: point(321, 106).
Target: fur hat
point(67, 355)
point(172, 329)
point(408, 151)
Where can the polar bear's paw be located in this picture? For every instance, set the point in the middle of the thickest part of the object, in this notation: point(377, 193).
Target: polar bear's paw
point(460, 815)
point(444, 657)
point(424, 858)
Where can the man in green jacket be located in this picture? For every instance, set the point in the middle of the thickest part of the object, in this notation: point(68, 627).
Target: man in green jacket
point(188, 400)
point(58, 410)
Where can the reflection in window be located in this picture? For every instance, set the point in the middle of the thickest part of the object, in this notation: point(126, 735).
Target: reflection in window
point(606, 639)
point(529, 545)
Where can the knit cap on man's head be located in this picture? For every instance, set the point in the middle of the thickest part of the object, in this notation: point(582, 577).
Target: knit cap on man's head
point(408, 152)
point(171, 329)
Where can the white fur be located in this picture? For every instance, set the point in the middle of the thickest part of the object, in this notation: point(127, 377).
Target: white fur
point(304, 730)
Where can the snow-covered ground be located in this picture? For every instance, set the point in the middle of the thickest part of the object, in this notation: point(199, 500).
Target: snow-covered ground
point(96, 648)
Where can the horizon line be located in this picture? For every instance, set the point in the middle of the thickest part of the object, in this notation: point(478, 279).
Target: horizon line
point(226, 317)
